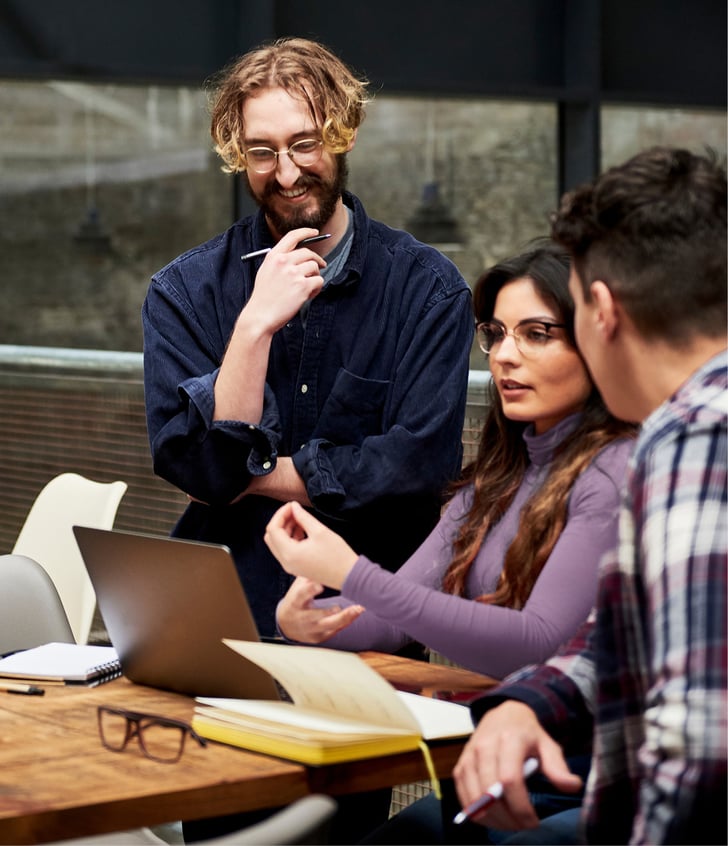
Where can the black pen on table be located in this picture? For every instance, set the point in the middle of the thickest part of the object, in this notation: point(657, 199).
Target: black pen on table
point(303, 243)
point(492, 794)
point(27, 689)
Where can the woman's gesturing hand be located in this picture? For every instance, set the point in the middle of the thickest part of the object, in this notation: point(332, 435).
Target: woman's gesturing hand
point(299, 620)
point(305, 547)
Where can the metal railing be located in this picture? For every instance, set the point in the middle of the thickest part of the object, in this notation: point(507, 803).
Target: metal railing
point(83, 411)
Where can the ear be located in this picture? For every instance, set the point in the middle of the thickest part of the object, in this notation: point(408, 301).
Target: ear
point(351, 144)
point(606, 309)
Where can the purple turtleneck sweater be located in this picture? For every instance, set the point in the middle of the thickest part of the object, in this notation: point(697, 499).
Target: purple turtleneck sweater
point(409, 605)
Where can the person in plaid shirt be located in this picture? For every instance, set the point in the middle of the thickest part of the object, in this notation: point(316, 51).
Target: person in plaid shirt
point(643, 683)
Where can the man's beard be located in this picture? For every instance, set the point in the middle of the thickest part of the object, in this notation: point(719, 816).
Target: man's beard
point(328, 197)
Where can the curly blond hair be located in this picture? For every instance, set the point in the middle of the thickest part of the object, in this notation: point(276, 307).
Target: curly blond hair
point(335, 96)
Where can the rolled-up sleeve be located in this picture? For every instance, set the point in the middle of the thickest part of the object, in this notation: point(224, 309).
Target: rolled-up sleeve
point(184, 343)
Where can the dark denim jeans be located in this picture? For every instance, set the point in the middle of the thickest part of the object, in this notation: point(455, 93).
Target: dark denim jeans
point(429, 821)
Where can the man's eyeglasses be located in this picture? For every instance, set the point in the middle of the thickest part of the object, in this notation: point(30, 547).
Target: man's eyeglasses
point(160, 738)
point(303, 153)
point(531, 336)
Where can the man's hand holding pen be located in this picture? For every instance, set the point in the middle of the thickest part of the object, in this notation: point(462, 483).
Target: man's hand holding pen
point(289, 275)
point(496, 754)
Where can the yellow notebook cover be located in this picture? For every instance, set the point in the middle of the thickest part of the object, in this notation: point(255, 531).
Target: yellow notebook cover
point(319, 748)
point(342, 709)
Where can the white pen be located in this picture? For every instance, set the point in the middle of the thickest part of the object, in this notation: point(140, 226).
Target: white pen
point(27, 689)
point(492, 794)
point(303, 243)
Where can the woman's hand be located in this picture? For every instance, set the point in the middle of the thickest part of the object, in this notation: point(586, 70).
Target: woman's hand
point(305, 547)
point(298, 620)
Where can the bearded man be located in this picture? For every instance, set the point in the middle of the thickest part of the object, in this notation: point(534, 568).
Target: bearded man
point(332, 373)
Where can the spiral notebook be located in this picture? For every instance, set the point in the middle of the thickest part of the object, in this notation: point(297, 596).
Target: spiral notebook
point(60, 663)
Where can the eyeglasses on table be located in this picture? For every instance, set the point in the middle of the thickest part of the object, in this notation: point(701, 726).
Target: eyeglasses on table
point(160, 738)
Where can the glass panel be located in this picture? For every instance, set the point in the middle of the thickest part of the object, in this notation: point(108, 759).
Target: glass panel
point(475, 178)
point(628, 129)
point(100, 186)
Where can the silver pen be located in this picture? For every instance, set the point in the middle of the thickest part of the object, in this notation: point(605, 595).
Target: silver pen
point(303, 243)
point(492, 794)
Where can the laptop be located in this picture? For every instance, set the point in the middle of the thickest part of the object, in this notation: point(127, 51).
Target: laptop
point(167, 603)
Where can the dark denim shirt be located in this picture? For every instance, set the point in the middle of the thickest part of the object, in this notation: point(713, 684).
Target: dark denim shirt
point(368, 398)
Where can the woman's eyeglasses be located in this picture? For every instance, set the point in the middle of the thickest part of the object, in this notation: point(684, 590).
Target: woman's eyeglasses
point(160, 738)
point(531, 336)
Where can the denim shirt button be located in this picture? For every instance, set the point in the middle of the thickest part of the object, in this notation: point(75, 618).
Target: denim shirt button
point(304, 389)
point(251, 427)
point(266, 464)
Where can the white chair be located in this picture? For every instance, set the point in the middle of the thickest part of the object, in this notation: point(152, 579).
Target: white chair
point(31, 612)
point(47, 537)
point(306, 820)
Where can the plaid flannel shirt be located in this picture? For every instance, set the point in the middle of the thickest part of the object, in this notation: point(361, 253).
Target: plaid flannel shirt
point(645, 676)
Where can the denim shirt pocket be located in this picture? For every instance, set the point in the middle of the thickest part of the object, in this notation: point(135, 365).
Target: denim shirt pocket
point(354, 409)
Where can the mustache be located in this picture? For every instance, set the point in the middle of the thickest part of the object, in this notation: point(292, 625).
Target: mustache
point(304, 181)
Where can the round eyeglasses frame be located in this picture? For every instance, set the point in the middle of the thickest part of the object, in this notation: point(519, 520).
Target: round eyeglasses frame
point(491, 334)
point(303, 153)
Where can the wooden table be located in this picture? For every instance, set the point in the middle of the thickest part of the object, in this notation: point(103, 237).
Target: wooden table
point(58, 781)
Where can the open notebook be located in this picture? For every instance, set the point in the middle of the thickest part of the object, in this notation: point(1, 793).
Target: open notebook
point(342, 710)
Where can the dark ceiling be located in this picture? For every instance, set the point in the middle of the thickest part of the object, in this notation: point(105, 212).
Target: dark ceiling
point(578, 53)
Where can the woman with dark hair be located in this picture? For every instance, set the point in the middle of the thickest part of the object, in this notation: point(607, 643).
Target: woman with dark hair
point(510, 571)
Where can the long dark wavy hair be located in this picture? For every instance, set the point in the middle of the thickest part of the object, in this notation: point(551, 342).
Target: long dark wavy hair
point(502, 459)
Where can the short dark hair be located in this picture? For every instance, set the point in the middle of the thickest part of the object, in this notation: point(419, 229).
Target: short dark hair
point(654, 230)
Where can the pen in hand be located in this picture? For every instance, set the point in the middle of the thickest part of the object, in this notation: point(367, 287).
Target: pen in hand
point(492, 794)
point(303, 243)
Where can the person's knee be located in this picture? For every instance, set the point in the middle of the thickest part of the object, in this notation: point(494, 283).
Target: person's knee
point(562, 828)
point(419, 823)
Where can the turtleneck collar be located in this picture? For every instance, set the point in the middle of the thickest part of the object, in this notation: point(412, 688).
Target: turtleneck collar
point(541, 447)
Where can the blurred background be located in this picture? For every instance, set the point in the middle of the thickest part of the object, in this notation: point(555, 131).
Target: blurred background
point(485, 111)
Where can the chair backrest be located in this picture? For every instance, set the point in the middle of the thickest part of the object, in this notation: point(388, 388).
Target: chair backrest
point(46, 536)
point(31, 612)
point(306, 820)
